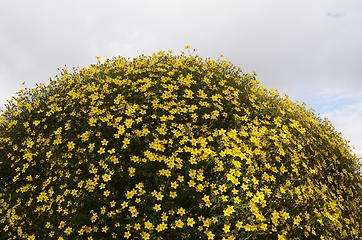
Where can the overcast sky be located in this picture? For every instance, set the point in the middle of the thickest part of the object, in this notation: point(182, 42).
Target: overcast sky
point(308, 49)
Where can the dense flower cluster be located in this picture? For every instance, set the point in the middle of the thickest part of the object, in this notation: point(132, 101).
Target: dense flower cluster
point(171, 147)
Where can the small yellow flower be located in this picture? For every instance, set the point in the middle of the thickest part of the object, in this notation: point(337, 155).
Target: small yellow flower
point(179, 223)
point(71, 145)
point(239, 225)
point(106, 193)
point(281, 237)
point(226, 228)
point(31, 237)
point(149, 225)
point(104, 142)
point(228, 211)
point(101, 150)
point(106, 177)
point(157, 207)
point(68, 230)
point(133, 211)
point(160, 227)
point(131, 171)
point(297, 220)
point(237, 200)
point(173, 195)
point(127, 234)
point(145, 235)
point(181, 211)
point(190, 222)
point(36, 122)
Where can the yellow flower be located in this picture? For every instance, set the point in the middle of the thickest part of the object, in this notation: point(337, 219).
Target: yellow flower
point(131, 171)
point(104, 142)
point(210, 235)
point(164, 216)
point(127, 234)
point(145, 235)
point(181, 211)
point(133, 211)
point(160, 227)
point(297, 220)
point(106, 177)
point(106, 193)
point(248, 227)
point(149, 225)
point(137, 226)
point(190, 222)
point(239, 225)
point(191, 183)
point(275, 217)
point(226, 228)
point(173, 194)
point(101, 150)
point(179, 223)
point(281, 237)
point(157, 207)
point(237, 200)
point(68, 230)
point(48, 225)
point(98, 59)
point(174, 184)
point(36, 122)
point(71, 146)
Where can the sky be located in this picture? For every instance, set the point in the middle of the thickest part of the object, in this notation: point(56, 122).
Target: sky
point(310, 50)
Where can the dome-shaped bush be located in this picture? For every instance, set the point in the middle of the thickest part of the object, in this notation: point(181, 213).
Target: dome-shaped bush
point(171, 147)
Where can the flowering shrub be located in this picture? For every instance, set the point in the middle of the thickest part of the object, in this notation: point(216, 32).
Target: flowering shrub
point(171, 147)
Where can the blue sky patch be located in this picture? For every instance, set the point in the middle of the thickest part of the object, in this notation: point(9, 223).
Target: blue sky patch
point(336, 15)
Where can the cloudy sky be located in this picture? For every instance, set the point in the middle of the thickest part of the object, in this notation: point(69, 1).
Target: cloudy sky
point(308, 49)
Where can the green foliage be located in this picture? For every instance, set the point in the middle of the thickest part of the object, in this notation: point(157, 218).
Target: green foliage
point(171, 147)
